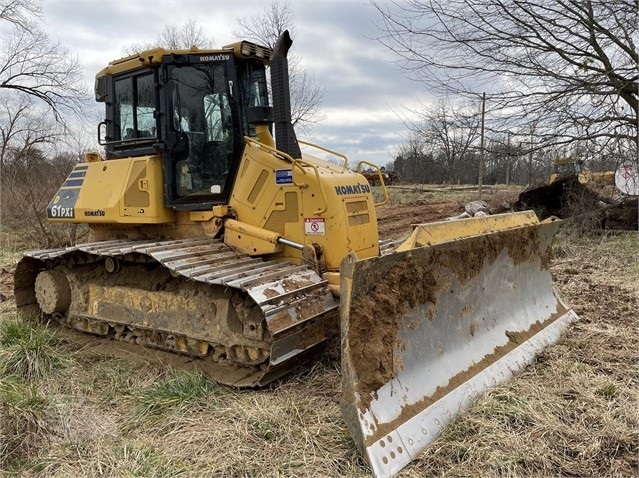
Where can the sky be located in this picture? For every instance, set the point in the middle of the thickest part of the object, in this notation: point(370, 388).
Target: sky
point(367, 95)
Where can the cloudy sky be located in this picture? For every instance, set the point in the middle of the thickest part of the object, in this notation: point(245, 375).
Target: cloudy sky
point(366, 92)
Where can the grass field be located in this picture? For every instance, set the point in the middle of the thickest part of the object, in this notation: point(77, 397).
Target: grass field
point(68, 410)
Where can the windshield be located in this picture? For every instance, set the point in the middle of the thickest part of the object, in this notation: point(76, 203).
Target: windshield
point(201, 114)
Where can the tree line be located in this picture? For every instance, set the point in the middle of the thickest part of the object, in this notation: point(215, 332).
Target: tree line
point(443, 146)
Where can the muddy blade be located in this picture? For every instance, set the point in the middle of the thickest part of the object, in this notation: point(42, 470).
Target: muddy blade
point(427, 330)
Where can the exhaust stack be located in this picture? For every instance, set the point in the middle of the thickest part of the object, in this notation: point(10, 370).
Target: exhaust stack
point(285, 138)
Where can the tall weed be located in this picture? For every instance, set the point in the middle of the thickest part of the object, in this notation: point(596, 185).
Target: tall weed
point(28, 349)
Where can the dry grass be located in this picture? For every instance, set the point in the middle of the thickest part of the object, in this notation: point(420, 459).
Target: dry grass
point(27, 349)
point(25, 421)
point(11, 247)
point(27, 356)
point(293, 428)
point(573, 413)
point(410, 193)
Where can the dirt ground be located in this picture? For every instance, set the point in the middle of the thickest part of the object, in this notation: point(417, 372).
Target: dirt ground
point(395, 221)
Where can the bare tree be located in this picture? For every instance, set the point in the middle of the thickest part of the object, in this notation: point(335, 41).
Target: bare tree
point(504, 153)
point(568, 66)
point(450, 129)
point(22, 127)
point(31, 178)
point(413, 161)
point(33, 64)
point(30, 171)
point(22, 13)
point(176, 37)
point(265, 28)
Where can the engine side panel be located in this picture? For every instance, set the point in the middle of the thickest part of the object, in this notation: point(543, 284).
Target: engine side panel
point(119, 191)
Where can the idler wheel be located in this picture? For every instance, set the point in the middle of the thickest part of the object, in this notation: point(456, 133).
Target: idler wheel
point(52, 291)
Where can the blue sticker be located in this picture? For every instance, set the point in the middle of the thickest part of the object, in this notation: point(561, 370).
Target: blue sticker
point(284, 176)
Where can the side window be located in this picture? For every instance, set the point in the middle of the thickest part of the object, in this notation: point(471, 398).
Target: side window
point(134, 106)
point(253, 76)
point(145, 106)
point(123, 108)
point(256, 93)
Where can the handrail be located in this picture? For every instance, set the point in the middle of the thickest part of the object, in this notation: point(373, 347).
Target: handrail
point(273, 151)
point(322, 148)
point(381, 180)
point(122, 142)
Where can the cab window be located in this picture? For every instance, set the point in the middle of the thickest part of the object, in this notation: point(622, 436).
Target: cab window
point(134, 108)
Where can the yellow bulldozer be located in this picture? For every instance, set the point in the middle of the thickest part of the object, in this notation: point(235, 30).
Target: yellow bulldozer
point(217, 239)
point(571, 166)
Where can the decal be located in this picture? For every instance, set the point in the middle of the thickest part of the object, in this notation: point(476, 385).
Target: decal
point(63, 204)
point(283, 176)
point(215, 58)
point(61, 211)
point(76, 178)
point(314, 226)
point(96, 213)
point(71, 183)
point(352, 189)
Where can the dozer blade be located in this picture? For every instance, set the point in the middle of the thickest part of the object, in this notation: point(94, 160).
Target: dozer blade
point(459, 307)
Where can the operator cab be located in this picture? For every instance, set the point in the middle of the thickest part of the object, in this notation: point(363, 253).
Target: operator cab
point(192, 108)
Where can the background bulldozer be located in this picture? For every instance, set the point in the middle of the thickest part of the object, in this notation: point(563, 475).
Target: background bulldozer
point(215, 240)
point(570, 166)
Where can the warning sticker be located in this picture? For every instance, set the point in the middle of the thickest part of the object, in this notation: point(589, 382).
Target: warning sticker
point(314, 226)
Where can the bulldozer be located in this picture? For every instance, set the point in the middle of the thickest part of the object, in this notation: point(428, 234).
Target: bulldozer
point(570, 166)
point(214, 237)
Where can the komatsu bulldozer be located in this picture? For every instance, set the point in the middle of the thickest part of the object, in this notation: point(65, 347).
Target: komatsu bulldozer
point(571, 166)
point(217, 239)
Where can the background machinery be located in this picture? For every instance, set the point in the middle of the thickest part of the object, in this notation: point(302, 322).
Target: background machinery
point(215, 240)
point(570, 166)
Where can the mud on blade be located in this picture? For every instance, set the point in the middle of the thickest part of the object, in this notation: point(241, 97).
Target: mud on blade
point(425, 331)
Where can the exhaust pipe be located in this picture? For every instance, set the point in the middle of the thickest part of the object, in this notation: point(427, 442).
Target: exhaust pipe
point(285, 139)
